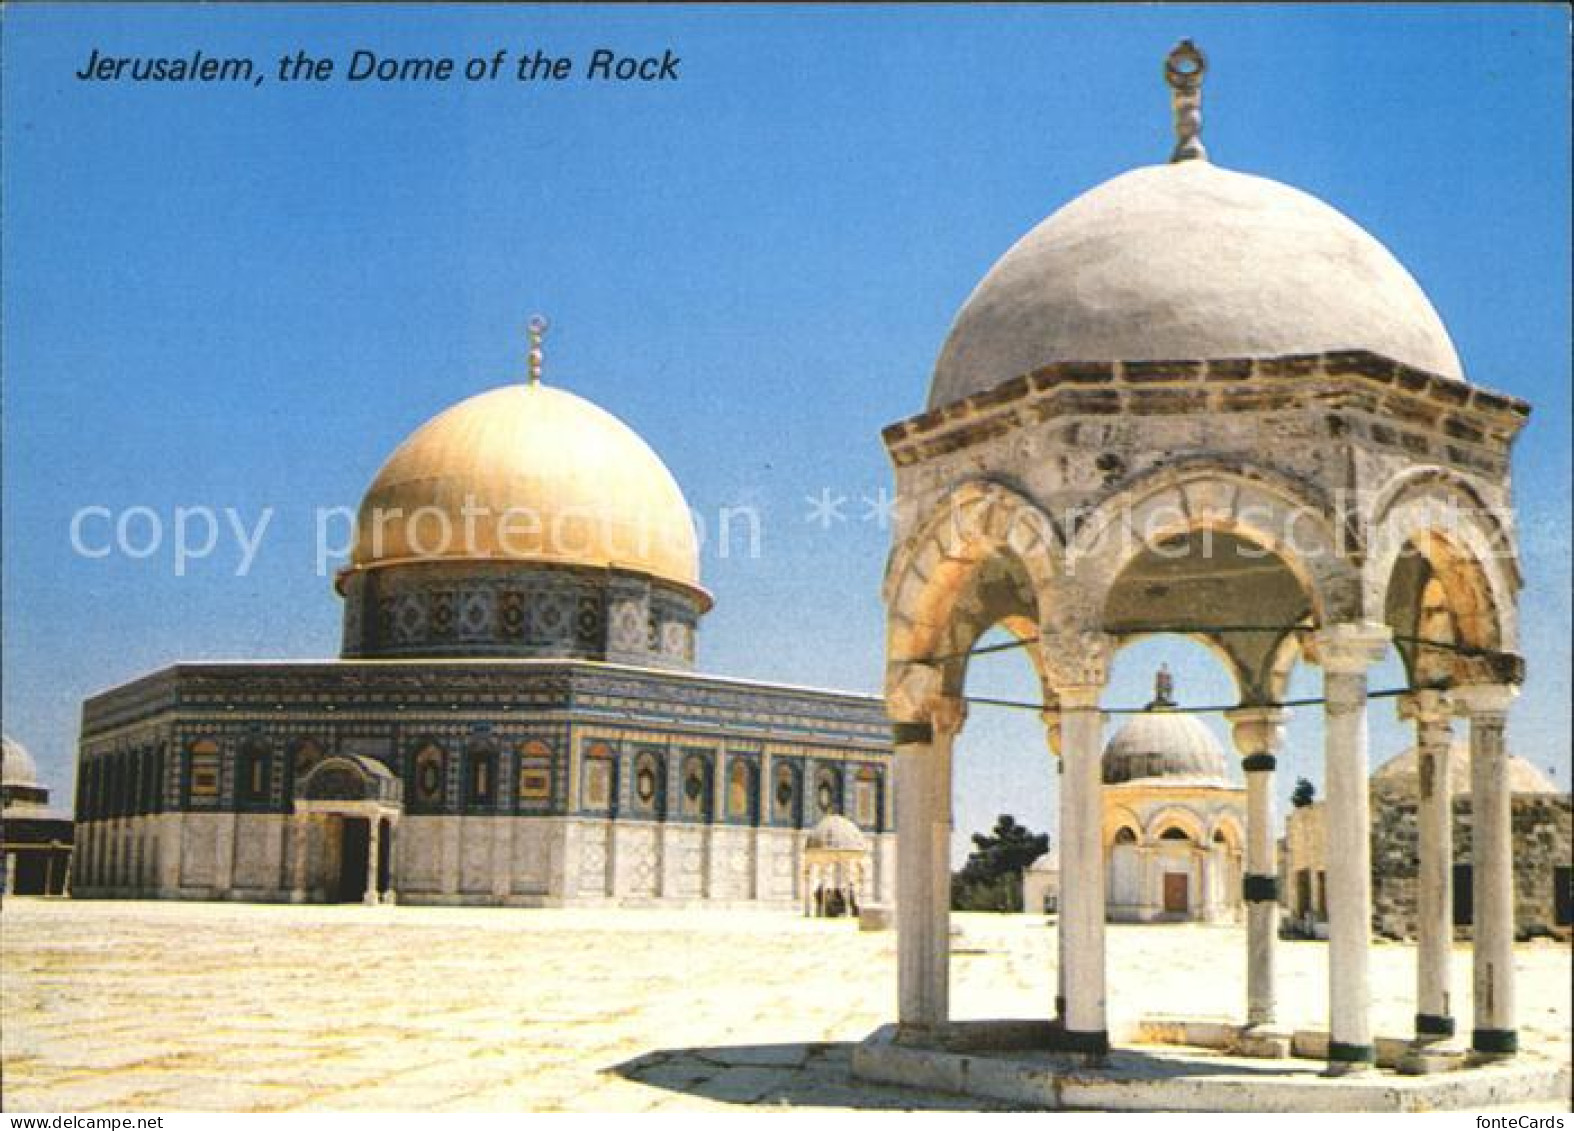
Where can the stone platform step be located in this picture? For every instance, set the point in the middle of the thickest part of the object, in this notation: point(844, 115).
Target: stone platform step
point(1174, 1079)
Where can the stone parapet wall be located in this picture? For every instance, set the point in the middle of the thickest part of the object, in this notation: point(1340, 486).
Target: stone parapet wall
point(1543, 834)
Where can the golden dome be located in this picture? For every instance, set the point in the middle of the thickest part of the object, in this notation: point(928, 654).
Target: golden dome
point(528, 473)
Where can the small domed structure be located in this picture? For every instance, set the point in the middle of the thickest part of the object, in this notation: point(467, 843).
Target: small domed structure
point(835, 862)
point(1172, 819)
point(1401, 773)
point(1201, 403)
point(38, 839)
point(1188, 260)
point(836, 833)
point(17, 767)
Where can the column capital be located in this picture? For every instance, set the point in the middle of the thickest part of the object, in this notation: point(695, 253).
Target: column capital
point(1351, 648)
point(910, 689)
point(947, 714)
point(1078, 697)
point(1427, 706)
point(1076, 664)
point(918, 706)
point(1473, 699)
point(1257, 730)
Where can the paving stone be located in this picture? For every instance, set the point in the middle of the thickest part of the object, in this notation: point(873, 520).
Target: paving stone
point(147, 1006)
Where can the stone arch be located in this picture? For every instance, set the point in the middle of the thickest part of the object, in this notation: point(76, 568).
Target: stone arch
point(1122, 819)
point(1443, 519)
point(1227, 826)
point(337, 778)
point(979, 523)
point(1175, 817)
point(1285, 517)
point(1285, 654)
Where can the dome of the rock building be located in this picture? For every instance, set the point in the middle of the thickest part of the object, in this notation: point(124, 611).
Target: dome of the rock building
point(545, 477)
point(17, 766)
point(1399, 774)
point(837, 834)
point(1188, 261)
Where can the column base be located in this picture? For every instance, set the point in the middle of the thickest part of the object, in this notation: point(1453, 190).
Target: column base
point(1261, 1039)
point(1426, 1059)
point(297, 896)
point(1495, 1044)
point(1346, 1059)
point(1433, 1049)
point(918, 1036)
point(1091, 1042)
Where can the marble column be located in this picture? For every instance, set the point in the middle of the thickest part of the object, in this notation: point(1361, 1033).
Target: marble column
point(1259, 733)
point(1082, 892)
point(923, 872)
point(1491, 812)
point(1053, 734)
point(373, 851)
point(1345, 652)
point(1429, 711)
point(391, 895)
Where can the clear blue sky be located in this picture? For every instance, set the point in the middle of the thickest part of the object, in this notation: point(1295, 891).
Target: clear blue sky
point(246, 296)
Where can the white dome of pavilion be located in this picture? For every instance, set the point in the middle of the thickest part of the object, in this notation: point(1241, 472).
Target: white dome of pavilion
point(1188, 261)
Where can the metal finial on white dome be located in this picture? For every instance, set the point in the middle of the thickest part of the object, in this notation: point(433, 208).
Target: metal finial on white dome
point(1163, 688)
point(1183, 70)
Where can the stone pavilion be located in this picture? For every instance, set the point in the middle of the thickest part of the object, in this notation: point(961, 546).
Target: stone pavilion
point(1201, 402)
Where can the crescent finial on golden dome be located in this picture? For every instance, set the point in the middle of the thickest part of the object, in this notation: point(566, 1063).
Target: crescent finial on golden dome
point(537, 327)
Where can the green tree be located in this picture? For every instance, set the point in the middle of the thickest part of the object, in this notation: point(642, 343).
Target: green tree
point(1303, 794)
point(991, 880)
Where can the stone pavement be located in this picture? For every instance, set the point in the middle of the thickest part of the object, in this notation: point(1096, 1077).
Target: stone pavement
point(166, 1006)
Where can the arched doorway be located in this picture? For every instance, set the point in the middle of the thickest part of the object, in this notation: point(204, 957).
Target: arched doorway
point(343, 844)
